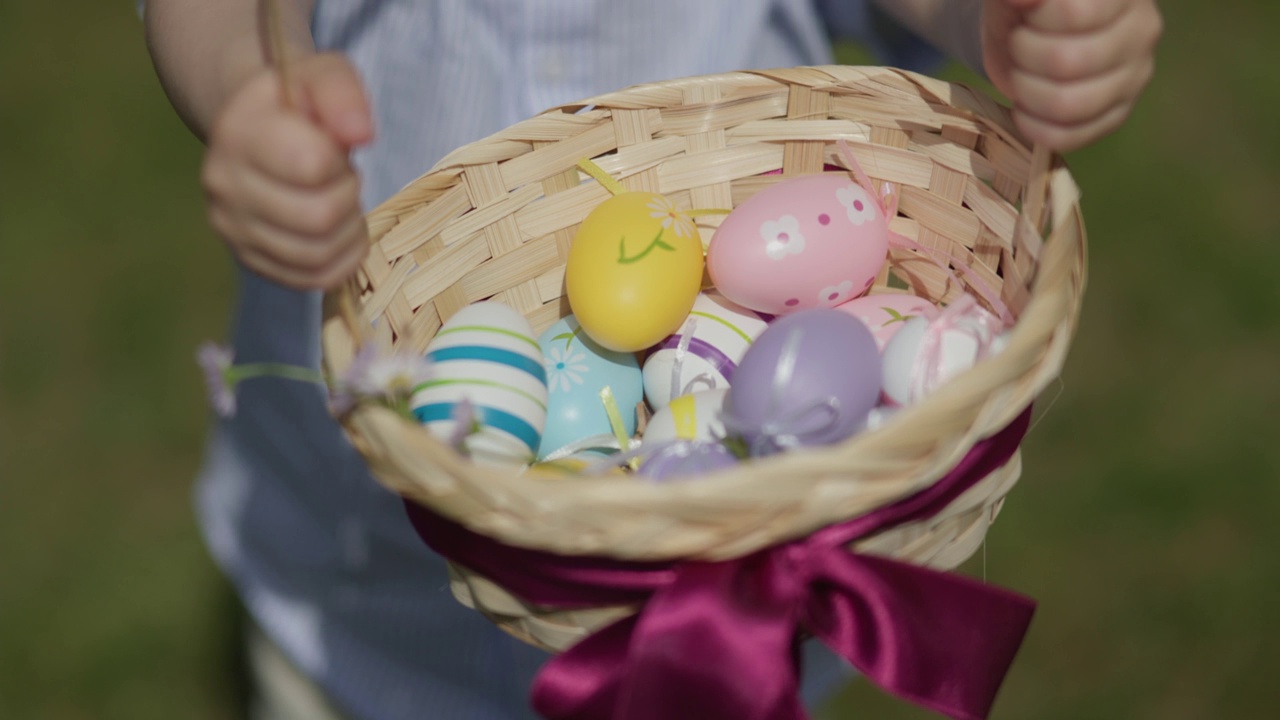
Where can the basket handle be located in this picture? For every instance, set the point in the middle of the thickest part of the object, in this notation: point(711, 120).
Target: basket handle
point(348, 294)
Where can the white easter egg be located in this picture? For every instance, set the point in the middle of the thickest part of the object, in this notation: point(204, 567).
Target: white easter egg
point(880, 416)
point(907, 378)
point(707, 348)
point(689, 417)
point(487, 355)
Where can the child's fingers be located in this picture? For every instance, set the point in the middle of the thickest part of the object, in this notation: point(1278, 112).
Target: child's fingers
point(289, 258)
point(335, 96)
point(344, 265)
point(318, 212)
point(256, 130)
point(1066, 57)
point(1078, 56)
point(1069, 103)
point(1075, 16)
point(305, 254)
point(282, 191)
point(1067, 137)
point(293, 150)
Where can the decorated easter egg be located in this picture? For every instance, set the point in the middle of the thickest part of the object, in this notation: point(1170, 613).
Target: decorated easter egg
point(687, 459)
point(581, 464)
point(486, 355)
point(814, 241)
point(880, 416)
point(577, 370)
point(704, 352)
point(633, 271)
point(885, 315)
point(926, 353)
point(810, 379)
point(689, 417)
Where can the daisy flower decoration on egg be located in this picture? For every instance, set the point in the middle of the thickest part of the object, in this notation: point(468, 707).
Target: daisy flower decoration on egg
point(672, 219)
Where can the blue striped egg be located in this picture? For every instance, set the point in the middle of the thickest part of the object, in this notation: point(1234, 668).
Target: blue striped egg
point(719, 333)
point(487, 355)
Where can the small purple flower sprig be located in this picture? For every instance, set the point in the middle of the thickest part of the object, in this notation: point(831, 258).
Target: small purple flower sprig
point(389, 379)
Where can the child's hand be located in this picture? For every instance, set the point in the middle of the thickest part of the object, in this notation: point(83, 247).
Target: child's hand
point(1073, 68)
point(281, 188)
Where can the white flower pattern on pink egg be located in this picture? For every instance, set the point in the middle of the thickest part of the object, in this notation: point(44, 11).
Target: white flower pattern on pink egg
point(857, 204)
point(833, 295)
point(782, 237)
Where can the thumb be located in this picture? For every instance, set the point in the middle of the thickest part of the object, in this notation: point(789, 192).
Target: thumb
point(334, 95)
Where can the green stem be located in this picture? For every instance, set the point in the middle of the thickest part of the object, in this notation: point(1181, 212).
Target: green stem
point(237, 373)
point(657, 242)
point(401, 406)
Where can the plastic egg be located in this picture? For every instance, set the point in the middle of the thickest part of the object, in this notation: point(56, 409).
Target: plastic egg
point(687, 459)
point(582, 464)
point(633, 270)
point(880, 416)
point(956, 342)
point(707, 348)
point(885, 315)
point(808, 242)
point(577, 370)
point(810, 379)
point(689, 417)
point(487, 355)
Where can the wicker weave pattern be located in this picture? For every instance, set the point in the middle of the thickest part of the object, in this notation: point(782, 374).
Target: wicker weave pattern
point(494, 220)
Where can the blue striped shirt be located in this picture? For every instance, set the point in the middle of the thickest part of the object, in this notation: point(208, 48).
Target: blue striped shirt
point(321, 554)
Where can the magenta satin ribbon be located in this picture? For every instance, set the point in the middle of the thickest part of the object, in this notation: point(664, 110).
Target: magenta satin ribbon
point(718, 640)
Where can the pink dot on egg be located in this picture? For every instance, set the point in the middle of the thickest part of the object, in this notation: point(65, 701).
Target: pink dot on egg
point(793, 302)
point(784, 237)
point(857, 205)
point(833, 296)
point(824, 219)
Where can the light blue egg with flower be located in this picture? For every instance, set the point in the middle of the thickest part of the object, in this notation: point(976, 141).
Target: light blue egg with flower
point(578, 368)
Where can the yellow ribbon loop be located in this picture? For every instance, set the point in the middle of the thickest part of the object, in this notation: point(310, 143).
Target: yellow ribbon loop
point(602, 177)
point(616, 422)
point(685, 411)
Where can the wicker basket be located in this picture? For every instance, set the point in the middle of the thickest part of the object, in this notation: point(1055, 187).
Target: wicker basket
point(495, 219)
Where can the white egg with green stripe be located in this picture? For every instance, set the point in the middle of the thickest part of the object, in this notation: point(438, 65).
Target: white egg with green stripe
point(704, 352)
point(487, 356)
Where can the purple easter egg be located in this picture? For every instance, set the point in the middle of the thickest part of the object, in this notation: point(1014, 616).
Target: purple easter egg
point(810, 379)
point(687, 458)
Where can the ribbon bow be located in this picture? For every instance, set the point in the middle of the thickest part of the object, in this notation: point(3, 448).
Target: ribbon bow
point(719, 640)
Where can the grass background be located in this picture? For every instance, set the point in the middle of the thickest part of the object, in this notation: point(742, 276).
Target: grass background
point(1144, 523)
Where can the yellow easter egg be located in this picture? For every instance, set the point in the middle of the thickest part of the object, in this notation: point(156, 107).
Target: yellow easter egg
point(634, 270)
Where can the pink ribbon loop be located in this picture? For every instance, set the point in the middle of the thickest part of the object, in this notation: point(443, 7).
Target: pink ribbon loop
point(962, 317)
point(725, 635)
point(719, 640)
point(888, 203)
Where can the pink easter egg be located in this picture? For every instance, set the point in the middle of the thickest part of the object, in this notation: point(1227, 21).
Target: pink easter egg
point(884, 315)
point(815, 241)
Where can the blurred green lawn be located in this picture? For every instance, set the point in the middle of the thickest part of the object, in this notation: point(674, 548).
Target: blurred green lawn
point(1144, 524)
